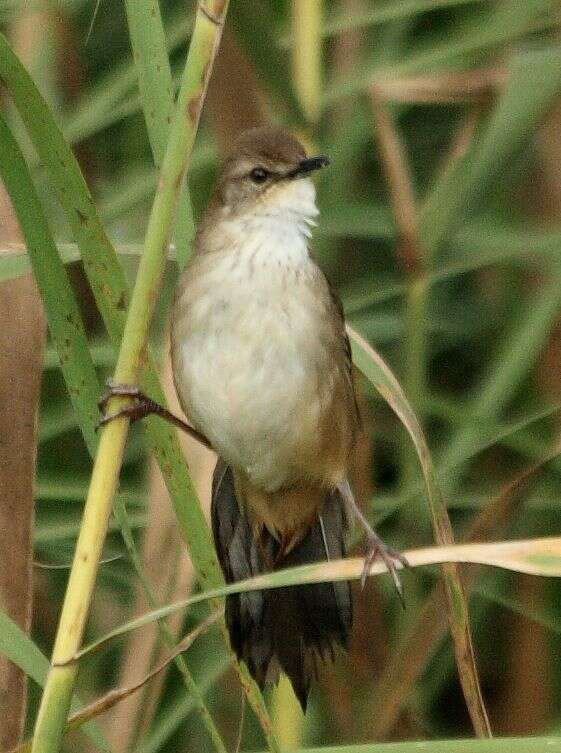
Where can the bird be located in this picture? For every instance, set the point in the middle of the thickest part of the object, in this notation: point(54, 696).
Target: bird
point(262, 367)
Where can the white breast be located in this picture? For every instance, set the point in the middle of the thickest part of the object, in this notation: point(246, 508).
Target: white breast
point(247, 340)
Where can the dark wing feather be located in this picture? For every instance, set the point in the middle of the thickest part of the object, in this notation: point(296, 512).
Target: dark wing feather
point(290, 626)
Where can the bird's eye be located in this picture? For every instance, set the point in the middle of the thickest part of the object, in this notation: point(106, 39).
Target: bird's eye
point(259, 174)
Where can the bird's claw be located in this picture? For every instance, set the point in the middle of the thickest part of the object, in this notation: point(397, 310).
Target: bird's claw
point(114, 389)
point(391, 558)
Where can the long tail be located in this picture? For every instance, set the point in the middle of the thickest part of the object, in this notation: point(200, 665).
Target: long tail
point(292, 626)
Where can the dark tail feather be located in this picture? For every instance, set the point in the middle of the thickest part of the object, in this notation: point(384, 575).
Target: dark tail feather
point(292, 626)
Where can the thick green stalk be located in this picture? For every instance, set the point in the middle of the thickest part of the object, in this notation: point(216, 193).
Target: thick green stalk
point(58, 690)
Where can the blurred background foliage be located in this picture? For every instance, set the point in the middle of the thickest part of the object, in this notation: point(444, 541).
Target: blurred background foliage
point(441, 228)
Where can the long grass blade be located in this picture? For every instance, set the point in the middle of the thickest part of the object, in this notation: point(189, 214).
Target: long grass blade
point(156, 92)
point(374, 368)
point(530, 556)
point(498, 745)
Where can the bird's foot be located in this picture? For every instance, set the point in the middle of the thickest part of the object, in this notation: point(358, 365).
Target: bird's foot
point(141, 407)
point(391, 558)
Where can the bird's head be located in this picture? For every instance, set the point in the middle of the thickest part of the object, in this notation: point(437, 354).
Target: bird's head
point(268, 173)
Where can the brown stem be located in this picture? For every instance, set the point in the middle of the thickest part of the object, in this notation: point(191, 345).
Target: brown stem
point(400, 185)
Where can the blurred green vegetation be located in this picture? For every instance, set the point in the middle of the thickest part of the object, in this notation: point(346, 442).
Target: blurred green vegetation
point(466, 312)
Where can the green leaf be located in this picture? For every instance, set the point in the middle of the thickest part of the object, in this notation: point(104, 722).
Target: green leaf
point(157, 97)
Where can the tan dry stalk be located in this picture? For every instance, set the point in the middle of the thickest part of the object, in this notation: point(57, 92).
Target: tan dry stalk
point(22, 340)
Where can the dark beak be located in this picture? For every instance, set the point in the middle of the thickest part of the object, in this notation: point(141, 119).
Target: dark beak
point(308, 165)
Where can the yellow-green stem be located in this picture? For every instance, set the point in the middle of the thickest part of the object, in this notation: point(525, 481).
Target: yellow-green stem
point(60, 683)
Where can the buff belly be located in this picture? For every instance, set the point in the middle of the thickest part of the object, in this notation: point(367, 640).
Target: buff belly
point(254, 378)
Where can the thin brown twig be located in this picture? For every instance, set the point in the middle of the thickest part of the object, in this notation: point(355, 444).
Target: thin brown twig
point(400, 184)
point(463, 137)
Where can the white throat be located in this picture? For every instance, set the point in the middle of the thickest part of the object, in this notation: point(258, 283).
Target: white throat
point(275, 233)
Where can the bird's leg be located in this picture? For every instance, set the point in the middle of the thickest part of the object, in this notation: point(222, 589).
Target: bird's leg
point(391, 558)
point(141, 407)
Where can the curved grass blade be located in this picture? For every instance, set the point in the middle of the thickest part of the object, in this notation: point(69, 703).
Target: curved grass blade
point(110, 290)
point(376, 371)
point(530, 556)
point(156, 93)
